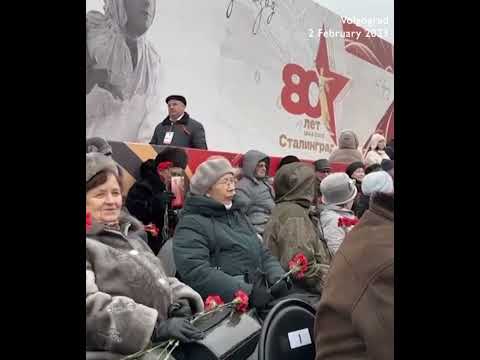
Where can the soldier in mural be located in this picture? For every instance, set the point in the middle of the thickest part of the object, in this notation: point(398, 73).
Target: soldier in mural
point(122, 70)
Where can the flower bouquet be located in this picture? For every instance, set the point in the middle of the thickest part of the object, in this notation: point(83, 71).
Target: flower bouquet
point(347, 223)
point(213, 303)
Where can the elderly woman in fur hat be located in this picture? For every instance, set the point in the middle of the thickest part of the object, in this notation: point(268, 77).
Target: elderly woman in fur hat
point(130, 301)
point(216, 248)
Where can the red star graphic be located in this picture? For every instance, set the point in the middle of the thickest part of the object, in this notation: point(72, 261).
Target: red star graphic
point(335, 83)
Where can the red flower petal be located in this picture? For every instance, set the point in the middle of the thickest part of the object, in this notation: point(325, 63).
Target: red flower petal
point(347, 222)
point(152, 228)
point(241, 301)
point(299, 265)
point(212, 302)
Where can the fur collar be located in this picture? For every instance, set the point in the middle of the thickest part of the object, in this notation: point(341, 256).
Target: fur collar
point(125, 220)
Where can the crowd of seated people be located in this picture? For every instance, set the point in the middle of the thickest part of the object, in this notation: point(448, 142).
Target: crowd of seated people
point(238, 229)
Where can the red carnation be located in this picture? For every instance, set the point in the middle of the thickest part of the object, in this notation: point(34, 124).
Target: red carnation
point(298, 265)
point(212, 302)
point(347, 222)
point(241, 301)
point(88, 221)
point(152, 229)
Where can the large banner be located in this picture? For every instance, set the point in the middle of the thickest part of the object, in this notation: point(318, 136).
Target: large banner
point(283, 77)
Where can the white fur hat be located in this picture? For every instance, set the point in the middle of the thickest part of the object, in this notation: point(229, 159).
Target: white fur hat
point(377, 181)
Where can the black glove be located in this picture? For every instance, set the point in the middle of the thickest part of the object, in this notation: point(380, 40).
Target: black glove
point(181, 308)
point(280, 289)
point(259, 296)
point(176, 328)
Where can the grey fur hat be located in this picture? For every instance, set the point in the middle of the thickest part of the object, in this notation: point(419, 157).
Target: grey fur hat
point(208, 173)
point(337, 189)
point(97, 162)
point(98, 144)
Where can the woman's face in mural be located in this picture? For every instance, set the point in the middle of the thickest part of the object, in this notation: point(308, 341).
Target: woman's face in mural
point(140, 15)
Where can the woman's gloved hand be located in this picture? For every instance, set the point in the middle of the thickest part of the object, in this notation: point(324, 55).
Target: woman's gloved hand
point(180, 308)
point(280, 289)
point(260, 295)
point(176, 328)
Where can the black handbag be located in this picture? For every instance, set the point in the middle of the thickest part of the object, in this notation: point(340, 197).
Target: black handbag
point(228, 336)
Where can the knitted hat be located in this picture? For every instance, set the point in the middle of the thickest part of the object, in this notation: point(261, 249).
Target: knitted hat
point(387, 164)
point(322, 164)
point(378, 181)
point(337, 189)
point(97, 162)
point(177, 97)
point(98, 144)
point(177, 156)
point(208, 173)
point(353, 167)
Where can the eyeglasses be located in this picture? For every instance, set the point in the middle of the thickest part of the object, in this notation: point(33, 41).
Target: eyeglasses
point(326, 171)
point(231, 181)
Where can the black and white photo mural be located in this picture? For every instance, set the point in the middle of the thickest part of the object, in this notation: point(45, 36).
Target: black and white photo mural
point(123, 70)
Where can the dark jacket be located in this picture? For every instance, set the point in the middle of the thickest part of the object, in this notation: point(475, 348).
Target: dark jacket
point(149, 201)
point(256, 193)
point(291, 229)
point(187, 133)
point(205, 228)
point(362, 205)
point(126, 288)
point(355, 318)
point(358, 185)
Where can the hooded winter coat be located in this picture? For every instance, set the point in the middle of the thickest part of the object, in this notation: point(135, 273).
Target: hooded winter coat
point(347, 151)
point(374, 156)
point(256, 193)
point(214, 248)
point(355, 319)
point(291, 229)
point(126, 288)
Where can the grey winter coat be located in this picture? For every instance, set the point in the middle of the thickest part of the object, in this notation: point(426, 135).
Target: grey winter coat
point(328, 224)
point(256, 193)
point(126, 288)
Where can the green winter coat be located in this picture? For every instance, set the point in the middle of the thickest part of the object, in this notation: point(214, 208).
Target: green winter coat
point(205, 227)
point(291, 228)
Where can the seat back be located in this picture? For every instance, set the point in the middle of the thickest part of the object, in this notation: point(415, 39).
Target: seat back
point(287, 332)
